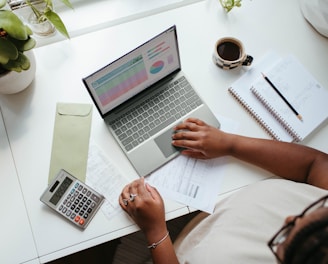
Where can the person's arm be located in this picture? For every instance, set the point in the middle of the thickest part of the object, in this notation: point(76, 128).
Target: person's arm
point(147, 210)
point(288, 160)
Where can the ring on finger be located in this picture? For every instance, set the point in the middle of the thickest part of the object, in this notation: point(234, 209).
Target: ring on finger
point(132, 196)
point(125, 202)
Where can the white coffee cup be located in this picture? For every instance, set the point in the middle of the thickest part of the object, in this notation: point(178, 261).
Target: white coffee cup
point(229, 53)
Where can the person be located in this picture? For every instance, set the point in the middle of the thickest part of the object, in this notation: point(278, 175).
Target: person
point(242, 224)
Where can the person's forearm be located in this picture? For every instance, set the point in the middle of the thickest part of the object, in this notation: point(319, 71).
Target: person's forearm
point(291, 161)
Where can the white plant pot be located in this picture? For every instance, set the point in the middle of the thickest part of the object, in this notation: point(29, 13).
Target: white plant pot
point(14, 82)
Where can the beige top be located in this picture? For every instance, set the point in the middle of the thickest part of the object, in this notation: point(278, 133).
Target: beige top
point(242, 224)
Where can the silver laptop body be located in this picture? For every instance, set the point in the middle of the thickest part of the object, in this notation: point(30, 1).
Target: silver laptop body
point(142, 96)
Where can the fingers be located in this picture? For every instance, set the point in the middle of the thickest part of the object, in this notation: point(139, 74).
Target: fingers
point(153, 192)
point(187, 130)
point(133, 192)
point(191, 124)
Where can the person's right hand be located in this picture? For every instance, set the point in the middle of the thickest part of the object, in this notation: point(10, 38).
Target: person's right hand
point(200, 140)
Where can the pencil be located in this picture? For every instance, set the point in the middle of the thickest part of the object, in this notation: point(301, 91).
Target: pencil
point(282, 97)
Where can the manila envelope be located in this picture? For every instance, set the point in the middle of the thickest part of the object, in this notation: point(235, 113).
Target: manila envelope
point(70, 143)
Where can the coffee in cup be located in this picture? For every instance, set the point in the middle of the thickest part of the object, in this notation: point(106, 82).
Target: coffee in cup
point(229, 53)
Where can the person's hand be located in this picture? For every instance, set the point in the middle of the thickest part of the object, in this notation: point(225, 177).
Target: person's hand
point(200, 140)
point(146, 208)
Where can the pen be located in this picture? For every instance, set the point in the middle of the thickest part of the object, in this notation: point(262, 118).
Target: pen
point(282, 97)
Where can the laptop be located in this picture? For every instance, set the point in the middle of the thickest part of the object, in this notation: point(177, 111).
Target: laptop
point(142, 95)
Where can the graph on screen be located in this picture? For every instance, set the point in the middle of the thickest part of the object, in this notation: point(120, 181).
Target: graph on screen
point(121, 80)
point(156, 67)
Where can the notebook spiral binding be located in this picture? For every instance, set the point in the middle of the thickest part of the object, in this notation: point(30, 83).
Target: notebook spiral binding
point(280, 119)
point(258, 119)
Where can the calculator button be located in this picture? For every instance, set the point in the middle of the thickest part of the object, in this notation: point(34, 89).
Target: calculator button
point(95, 198)
point(81, 222)
point(77, 218)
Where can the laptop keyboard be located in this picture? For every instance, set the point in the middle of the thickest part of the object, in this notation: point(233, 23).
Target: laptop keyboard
point(156, 113)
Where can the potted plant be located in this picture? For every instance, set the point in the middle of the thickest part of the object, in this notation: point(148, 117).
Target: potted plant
point(229, 4)
point(43, 12)
point(17, 62)
point(15, 39)
point(15, 42)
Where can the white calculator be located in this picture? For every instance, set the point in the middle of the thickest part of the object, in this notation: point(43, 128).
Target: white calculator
point(72, 199)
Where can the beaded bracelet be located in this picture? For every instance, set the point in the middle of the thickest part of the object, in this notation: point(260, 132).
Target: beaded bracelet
point(154, 245)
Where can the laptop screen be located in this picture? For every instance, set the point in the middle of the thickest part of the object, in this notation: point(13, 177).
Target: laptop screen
point(135, 71)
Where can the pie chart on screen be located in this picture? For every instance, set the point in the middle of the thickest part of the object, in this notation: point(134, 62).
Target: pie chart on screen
point(156, 67)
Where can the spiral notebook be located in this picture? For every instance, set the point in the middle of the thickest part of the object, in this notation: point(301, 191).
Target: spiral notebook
point(296, 84)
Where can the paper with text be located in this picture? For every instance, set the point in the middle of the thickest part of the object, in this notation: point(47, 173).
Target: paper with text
point(190, 181)
point(106, 179)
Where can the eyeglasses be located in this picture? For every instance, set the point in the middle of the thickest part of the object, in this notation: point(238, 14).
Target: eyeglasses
point(283, 233)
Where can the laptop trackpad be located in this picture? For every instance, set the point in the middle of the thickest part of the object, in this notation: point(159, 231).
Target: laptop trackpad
point(164, 142)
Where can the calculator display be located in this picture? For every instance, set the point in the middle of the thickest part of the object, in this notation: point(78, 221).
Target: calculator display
point(61, 191)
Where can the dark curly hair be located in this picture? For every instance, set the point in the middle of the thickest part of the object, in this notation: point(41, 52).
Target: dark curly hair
point(309, 245)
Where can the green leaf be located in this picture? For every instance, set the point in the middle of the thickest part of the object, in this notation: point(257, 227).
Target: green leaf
point(22, 63)
point(12, 25)
point(57, 22)
point(29, 44)
point(228, 5)
point(8, 51)
point(24, 45)
point(67, 3)
point(2, 3)
point(36, 12)
point(28, 30)
point(48, 4)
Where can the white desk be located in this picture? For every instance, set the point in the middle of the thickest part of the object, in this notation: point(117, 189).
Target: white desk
point(16, 234)
point(29, 116)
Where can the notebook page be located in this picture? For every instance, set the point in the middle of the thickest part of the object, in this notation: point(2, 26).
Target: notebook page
point(301, 90)
point(240, 89)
